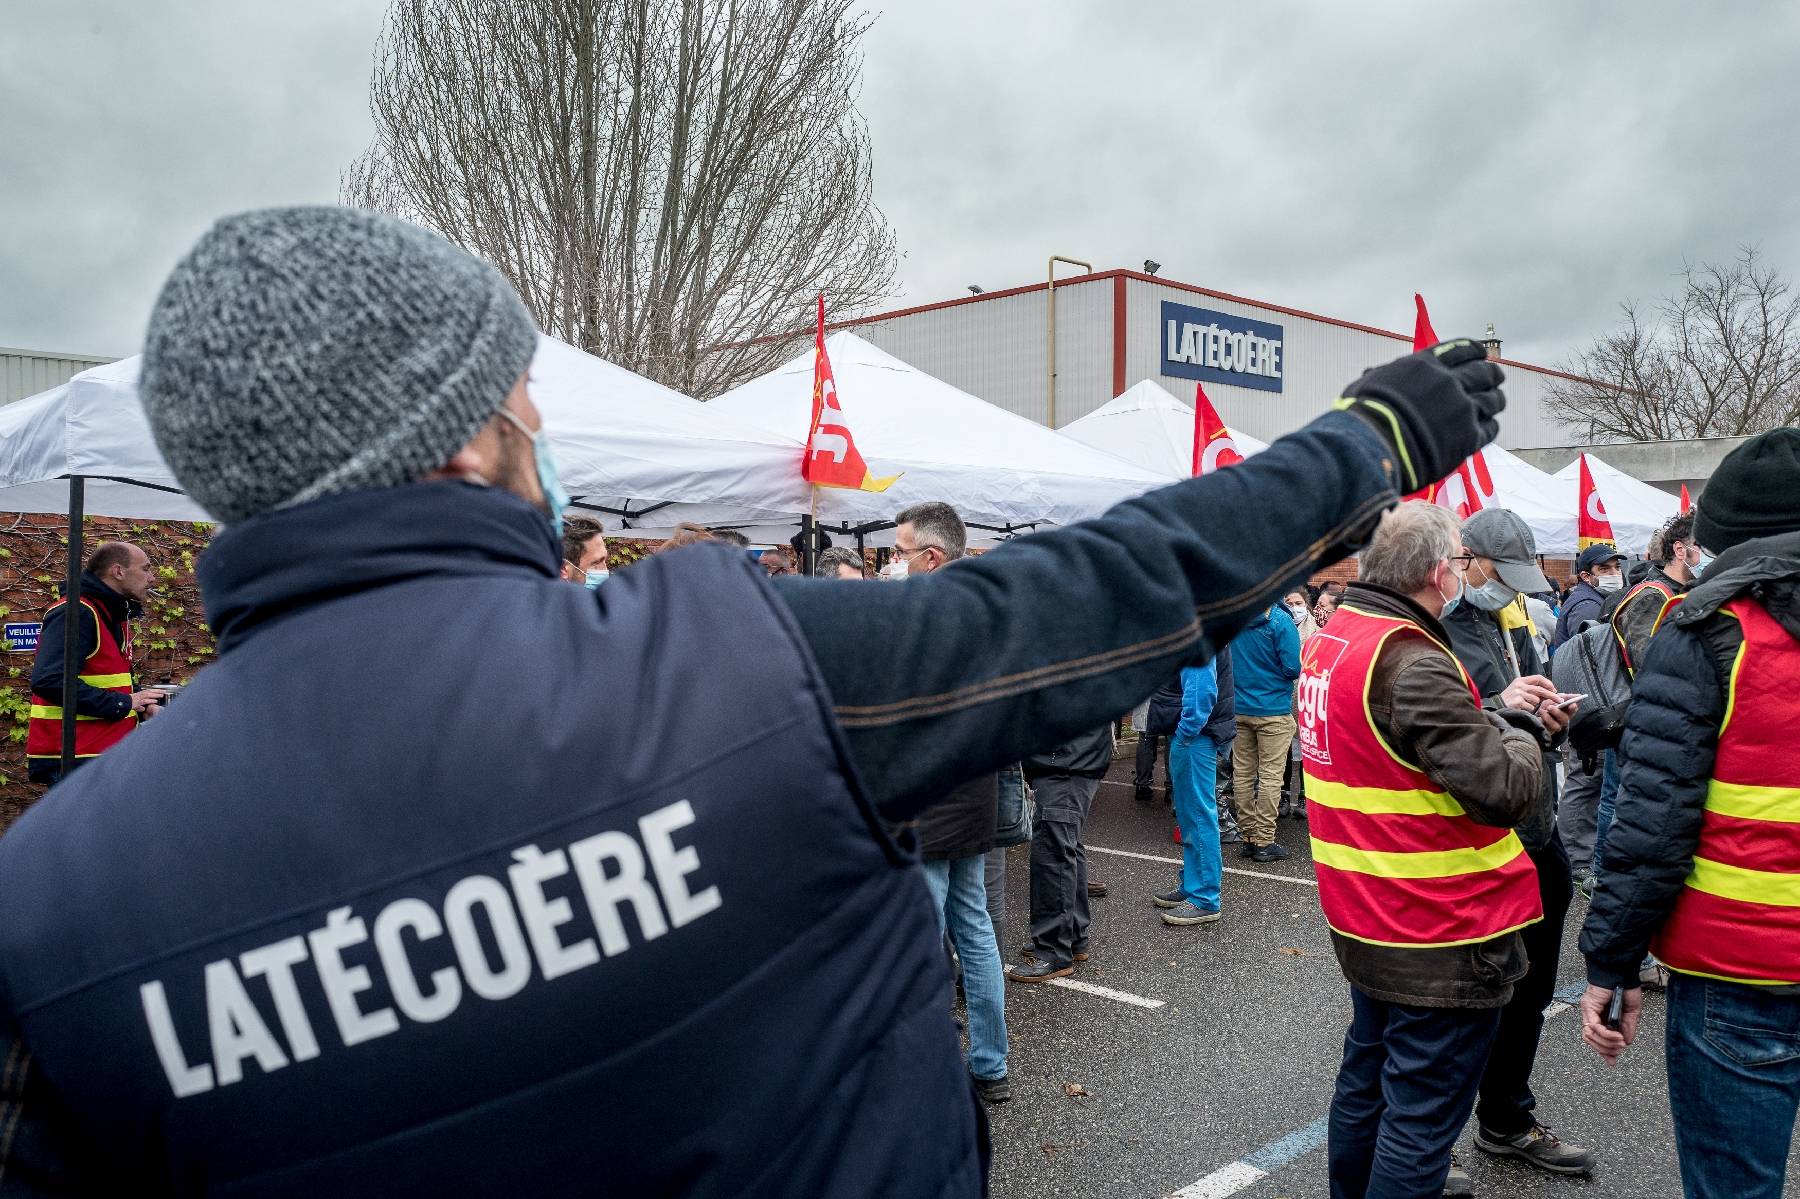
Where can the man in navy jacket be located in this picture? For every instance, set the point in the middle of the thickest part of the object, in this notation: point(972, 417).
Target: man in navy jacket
point(612, 908)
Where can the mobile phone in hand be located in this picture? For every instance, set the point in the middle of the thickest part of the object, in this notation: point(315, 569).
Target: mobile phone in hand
point(1615, 1008)
point(1568, 701)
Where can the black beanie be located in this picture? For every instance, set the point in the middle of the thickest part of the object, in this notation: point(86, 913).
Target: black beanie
point(1754, 493)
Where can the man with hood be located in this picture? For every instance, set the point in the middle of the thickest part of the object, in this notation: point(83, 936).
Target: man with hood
point(1703, 861)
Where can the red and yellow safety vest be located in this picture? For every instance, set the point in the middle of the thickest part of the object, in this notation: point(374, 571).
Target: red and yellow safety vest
point(1398, 860)
point(108, 668)
point(1738, 917)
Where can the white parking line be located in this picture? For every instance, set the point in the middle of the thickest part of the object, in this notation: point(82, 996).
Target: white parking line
point(1106, 993)
point(1228, 1180)
point(1150, 857)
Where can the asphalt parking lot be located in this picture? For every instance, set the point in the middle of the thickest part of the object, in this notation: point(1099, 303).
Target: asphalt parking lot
point(1222, 1088)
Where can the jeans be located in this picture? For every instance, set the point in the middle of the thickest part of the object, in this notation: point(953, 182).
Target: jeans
point(1259, 761)
point(1507, 1102)
point(1192, 766)
point(993, 878)
point(1734, 1086)
point(960, 897)
point(1059, 898)
point(1577, 813)
point(1403, 1095)
point(1144, 772)
point(1603, 816)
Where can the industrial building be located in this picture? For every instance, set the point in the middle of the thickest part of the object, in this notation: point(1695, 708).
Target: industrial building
point(28, 372)
point(1267, 368)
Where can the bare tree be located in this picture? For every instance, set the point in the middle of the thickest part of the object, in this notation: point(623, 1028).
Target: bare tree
point(1719, 359)
point(666, 182)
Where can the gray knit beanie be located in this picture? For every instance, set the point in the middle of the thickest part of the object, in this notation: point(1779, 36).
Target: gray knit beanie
point(298, 352)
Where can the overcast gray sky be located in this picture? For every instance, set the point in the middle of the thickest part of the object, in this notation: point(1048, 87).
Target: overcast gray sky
point(1529, 162)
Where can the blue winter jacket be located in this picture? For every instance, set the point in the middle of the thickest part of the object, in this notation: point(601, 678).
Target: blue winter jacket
point(451, 878)
point(1265, 661)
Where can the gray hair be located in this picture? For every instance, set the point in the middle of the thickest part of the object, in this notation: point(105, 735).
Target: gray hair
point(1409, 543)
point(937, 524)
point(837, 556)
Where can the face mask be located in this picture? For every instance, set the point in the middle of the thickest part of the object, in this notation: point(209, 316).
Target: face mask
point(895, 569)
point(1299, 611)
point(1609, 582)
point(554, 496)
point(596, 577)
point(1699, 564)
point(1491, 596)
point(1450, 605)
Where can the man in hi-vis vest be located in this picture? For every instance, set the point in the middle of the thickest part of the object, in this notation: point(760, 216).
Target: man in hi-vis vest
point(1413, 792)
point(1703, 858)
point(108, 704)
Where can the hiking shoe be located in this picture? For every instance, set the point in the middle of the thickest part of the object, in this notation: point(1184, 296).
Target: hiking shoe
point(1653, 975)
point(1038, 971)
point(1187, 913)
point(1269, 853)
point(1143, 795)
point(1458, 1183)
point(993, 1090)
point(1285, 809)
point(1249, 851)
point(1537, 1146)
point(1586, 886)
point(1096, 889)
point(1170, 899)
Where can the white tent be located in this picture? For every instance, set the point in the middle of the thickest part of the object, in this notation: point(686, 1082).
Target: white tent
point(1001, 471)
point(1542, 500)
point(92, 426)
point(623, 444)
point(1633, 507)
point(1148, 427)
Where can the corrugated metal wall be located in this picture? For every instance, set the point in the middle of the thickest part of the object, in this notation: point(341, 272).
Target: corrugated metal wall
point(27, 372)
point(1319, 359)
point(995, 348)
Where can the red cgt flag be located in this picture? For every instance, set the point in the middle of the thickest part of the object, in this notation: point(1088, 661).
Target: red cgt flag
point(1213, 444)
point(832, 459)
point(1687, 505)
point(1469, 489)
point(1591, 524)
point(1424, 336)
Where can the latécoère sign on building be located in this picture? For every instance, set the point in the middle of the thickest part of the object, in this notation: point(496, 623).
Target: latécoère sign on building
point(1216, 347)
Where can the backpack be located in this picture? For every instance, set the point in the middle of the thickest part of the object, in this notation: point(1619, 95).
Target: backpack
point(1590, 664)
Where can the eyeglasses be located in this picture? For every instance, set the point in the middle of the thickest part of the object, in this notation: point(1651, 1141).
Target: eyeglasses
point(909, 555)
point(1465, 559)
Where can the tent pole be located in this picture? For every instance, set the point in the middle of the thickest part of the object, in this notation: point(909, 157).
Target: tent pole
point(72, 624)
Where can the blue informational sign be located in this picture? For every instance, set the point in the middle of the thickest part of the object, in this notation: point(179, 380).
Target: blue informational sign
point(1216, 347)
point(23, 638)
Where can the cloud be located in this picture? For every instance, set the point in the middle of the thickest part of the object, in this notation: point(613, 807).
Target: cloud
point(1529, 164)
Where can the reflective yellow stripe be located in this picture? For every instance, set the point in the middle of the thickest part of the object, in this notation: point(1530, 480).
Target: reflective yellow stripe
point(1437, 863)
point(106, 680)
point(43, 712)
point(1376, 801)
point(1781, 804)
point(1778, 889)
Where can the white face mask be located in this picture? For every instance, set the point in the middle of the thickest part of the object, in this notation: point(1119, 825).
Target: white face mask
point(1299, 612)
point(1609, 582)
point(895, 569)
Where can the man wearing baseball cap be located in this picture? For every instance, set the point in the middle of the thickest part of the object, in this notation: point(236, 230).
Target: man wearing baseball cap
point(1599, 572)
point(1492, 637)
point(448, 878)
point(1703, 861)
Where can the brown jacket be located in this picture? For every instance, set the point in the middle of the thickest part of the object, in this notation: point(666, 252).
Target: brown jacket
point(1487, 761)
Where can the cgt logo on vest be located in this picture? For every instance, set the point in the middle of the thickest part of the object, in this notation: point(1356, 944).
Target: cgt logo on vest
point(526, 925)
point(1217, 347)
point(1318, 658)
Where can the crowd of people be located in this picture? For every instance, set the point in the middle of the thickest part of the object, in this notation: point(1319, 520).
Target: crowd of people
point(473, 867)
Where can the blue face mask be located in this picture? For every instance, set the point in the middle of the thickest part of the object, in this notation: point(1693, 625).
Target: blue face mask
point(554, 496)
point(596, 577)
point(1491, 596)
point(1451, 604)
point(1699, 567)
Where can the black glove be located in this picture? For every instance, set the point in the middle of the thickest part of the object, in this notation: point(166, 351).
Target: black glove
point(1435, 407)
